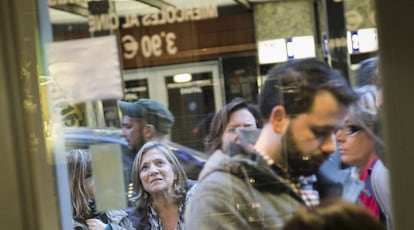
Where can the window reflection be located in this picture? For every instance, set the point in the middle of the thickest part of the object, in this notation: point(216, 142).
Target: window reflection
point(159, 40)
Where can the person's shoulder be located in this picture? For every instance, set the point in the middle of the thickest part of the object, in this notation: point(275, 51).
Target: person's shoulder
point(230, 165)
point(215, 176)
point(214, 182)
point(380, 182)
point(221, 184)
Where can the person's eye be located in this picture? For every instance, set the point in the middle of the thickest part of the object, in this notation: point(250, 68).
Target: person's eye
point(321, 133)
point(231, 130)
point(144, 168)
point(159, 163)
point(351, 129)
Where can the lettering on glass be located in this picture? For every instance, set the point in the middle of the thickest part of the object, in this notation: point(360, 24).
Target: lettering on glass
point(149, 46)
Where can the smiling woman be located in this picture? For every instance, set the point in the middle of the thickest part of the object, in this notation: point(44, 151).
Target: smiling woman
point(162, 189)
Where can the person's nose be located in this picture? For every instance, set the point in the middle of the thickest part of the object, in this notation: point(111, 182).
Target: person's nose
point(153, 170)
point(235, 138)
point(123, 133)
point(329, 145)
point(340, 137)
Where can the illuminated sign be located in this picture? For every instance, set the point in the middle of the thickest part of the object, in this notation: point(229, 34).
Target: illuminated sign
point(303, 47)
point(272, 51)
point(362, 41)
point(281, 50)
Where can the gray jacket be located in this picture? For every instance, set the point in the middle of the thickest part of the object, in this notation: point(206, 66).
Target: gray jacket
point(240, 191)
point(380, 182)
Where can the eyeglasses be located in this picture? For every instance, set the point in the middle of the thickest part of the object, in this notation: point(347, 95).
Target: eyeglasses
point(348, 130)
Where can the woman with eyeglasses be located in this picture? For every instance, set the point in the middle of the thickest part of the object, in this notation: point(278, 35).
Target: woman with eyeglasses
point(356, 144)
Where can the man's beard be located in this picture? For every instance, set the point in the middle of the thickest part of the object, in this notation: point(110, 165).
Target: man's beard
point(295, 161)
point(139, 144)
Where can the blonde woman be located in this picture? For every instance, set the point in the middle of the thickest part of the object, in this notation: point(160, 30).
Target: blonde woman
point(162, 189)
point(85, 217)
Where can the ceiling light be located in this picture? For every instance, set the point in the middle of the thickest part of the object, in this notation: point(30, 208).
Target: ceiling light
point(182, 77)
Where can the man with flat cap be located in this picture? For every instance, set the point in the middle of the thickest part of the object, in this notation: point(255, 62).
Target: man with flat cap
point(148, 120)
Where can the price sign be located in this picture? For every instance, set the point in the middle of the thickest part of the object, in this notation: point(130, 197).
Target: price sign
point(149, 46)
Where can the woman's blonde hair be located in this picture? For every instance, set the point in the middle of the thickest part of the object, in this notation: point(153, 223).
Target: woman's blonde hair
point(79, 165)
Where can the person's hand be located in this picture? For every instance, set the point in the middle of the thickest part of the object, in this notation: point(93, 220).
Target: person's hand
point(95, 224)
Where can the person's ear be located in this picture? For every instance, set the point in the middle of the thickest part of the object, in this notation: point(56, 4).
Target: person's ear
point(278, 118)
point(149, 131)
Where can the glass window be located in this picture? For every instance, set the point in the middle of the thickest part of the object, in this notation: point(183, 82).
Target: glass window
point(178, 67)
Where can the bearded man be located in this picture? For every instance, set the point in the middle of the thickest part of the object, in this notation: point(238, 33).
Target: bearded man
point(260, 186)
